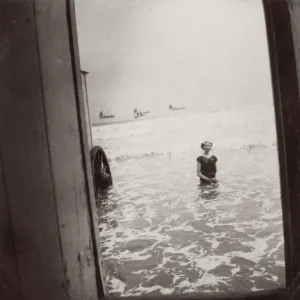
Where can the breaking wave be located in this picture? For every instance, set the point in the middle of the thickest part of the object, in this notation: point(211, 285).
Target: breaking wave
point(248, 128)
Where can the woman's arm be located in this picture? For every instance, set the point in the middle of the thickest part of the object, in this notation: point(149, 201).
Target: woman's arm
point(215, 164)
point(199, 174)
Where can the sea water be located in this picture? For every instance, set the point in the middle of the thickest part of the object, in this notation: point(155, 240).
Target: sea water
point(161, 233)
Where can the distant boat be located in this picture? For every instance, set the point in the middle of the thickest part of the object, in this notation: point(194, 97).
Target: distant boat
point(138, 114)
point(105, 116)
point(175, 108)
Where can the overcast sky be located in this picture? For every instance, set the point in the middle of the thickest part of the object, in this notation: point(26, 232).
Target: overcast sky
point(151, 53)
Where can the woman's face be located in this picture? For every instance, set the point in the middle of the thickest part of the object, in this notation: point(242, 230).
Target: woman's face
point(207, 147)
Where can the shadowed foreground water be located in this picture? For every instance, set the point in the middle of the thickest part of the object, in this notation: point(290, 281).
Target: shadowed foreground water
point(161, 233)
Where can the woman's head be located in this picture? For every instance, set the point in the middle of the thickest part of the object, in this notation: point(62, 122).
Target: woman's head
point(206, 146)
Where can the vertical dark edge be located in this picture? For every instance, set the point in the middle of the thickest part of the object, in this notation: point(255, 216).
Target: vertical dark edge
point(280, 139)
point(294, 289)
point(83, 141)
point(12, 283)
point(48, 143)
point(24, 158)
point(286, 97)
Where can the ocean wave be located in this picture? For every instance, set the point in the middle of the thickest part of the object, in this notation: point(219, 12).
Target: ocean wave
point(242, 129)
point(137, 156)
point(152, 154)
point(255, 146)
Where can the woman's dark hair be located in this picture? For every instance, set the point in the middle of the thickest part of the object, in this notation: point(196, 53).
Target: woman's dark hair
point(206, 142)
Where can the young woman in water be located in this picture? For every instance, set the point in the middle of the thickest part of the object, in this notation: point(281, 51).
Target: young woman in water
point(206, 165)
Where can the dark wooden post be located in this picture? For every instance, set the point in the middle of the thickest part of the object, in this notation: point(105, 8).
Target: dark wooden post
point(48, 244)
point(284, 38)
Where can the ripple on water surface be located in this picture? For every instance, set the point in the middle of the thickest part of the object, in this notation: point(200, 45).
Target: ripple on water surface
point(161, 233)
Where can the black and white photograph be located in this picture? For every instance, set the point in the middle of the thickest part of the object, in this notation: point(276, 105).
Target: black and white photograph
point(180, 111)
point(149, 149)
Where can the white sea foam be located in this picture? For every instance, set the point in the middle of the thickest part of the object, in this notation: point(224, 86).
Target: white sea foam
point(199, 239)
